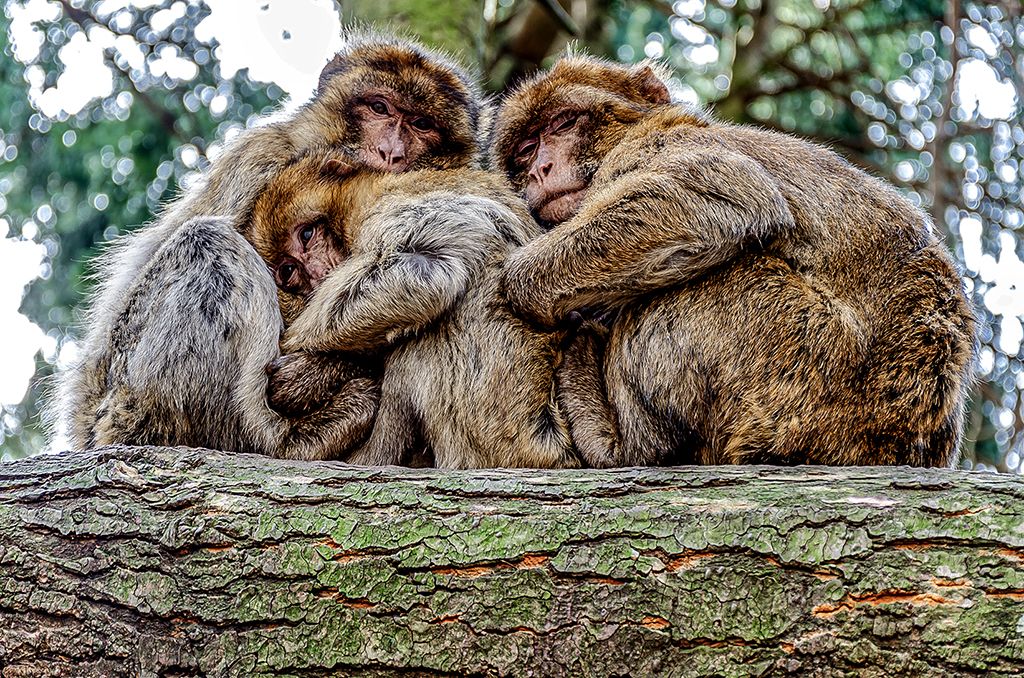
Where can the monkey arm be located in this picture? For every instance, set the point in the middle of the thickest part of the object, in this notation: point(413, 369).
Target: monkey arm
point(647, 230)
point(425, 261)
point(301, 383)
point(371, 302)
point(583, 398)
point(339, 426)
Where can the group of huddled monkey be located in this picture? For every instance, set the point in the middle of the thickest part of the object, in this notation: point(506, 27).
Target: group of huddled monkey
point(583, 274)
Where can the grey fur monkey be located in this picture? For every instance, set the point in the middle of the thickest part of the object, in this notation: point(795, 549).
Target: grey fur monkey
point(185, 319)
point(464, 379)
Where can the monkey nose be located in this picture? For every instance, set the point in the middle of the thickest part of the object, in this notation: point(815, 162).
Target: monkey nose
point(541, 172)
point(390, 157)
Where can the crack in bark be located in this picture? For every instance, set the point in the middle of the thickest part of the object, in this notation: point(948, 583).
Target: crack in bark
point(193, 562)
point(889, 597)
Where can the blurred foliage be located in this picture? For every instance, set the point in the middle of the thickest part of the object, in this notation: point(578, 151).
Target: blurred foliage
point(873, 79)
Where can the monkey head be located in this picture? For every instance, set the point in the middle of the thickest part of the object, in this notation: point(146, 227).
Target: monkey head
point(552, 132)
point(395, 106)
point(300, 223)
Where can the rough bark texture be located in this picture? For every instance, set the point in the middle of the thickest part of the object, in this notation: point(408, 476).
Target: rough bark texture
point(174, 562)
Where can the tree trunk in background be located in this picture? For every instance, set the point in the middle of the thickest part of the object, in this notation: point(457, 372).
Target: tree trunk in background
point(155, 562)
point(453, 25)
point(533, 37)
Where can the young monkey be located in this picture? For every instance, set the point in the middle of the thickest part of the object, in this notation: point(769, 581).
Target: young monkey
point(408, 265)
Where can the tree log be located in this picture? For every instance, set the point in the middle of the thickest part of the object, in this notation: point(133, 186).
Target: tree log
point(185, 562)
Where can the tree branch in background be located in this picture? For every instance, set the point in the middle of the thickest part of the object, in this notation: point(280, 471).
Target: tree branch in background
point(79, 16)
point(166, 118)
point(533, 40)
point(559, 14)
point(941, 175)
point(747, 70)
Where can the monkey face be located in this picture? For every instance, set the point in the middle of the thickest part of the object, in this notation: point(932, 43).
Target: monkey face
point(554, 185)
point(393, 134)
point(309, 252)
point(299, 224)
point(552, 133)
point(395, 106)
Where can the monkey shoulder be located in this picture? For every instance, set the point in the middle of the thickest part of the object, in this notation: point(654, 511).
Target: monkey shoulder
point(241, 171)
point(481, 199)
point(682, 149)
point(832, 195)
point(830, 199)
point(253, 140)
point(693, 167)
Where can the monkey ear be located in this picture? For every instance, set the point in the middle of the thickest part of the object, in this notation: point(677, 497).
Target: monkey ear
point(337, 168)
point(649, 86)
point(339, 64)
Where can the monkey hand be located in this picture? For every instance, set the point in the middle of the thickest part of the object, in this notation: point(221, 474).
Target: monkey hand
point(525, 296)
point(592, 320)
point(296, 386)
point(586, 326)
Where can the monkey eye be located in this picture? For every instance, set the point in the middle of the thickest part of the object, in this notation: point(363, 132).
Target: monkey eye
point(287, 276)
point(378, 107)
point(423, 124)
point(307, 233)
point(526, 148)
point(566, 124)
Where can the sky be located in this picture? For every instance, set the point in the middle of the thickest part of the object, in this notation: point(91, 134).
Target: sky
point(286, 43)
point(251, 34)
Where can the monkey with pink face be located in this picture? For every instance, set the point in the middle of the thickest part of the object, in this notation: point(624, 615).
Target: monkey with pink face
point(186, 320)
point(770, 302)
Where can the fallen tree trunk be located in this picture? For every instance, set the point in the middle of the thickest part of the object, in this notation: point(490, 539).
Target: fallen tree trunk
point(148, 561)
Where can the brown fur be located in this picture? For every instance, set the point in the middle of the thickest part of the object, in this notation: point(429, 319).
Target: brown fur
point(774, 303)
point(464, 380)
point(184, 322)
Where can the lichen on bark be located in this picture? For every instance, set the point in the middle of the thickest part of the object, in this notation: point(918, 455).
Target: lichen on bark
point(160, 561)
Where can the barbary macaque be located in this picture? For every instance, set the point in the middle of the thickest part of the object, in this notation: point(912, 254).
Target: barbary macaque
point(769, 302)
point(185, 322)
point(407, 266)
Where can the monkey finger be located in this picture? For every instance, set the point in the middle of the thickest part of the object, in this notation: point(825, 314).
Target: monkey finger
point(574, 320)
point(528, 313)
point(520, 293)
point(279, 363)
point(292, 389)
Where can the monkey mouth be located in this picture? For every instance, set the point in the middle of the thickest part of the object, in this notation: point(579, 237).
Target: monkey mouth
point(561, 205)
point(377, 163)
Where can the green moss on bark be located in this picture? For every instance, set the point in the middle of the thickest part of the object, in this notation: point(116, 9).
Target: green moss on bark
point(133, 561)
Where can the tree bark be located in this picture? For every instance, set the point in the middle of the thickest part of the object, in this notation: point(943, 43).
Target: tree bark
point(185, 562)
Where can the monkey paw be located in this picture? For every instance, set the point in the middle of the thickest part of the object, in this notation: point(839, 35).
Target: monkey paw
point(523, 298)
point(296, 386)
point(590, 320)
